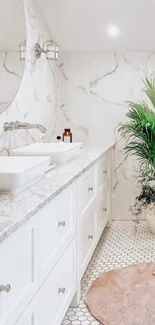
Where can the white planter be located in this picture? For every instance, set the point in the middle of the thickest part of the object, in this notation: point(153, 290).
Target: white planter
point(150, 218)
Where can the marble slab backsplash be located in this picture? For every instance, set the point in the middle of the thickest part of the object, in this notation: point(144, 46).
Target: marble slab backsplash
point(11, 71)
point(37, 98)
point(85, 91)
point(94, 88)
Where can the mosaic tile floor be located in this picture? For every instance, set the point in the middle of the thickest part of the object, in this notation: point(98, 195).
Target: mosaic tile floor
point(124, 243)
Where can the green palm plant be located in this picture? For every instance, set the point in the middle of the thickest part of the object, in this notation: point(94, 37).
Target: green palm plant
point(139, 133)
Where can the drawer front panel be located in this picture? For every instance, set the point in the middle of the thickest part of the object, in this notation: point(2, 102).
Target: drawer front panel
point(103, 209)
point(56, 229)
point(87, 237)
point(57, 291)
point(103, 171)
point(86, 190)
point(18, 269)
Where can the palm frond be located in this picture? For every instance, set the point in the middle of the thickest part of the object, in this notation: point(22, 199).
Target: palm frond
point(150, 90)
point(139, 132)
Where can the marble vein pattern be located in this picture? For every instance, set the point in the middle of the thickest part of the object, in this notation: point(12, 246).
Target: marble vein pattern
point(16, 209)
point(107, 81)
point(37, 99)
point(11, 71)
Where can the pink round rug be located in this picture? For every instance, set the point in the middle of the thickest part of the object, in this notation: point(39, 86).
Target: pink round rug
point(124, 296)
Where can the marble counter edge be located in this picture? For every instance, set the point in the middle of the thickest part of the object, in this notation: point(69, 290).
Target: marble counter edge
point(13, 225)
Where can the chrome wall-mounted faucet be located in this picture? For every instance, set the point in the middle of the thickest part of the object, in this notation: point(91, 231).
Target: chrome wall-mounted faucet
point(10, 126)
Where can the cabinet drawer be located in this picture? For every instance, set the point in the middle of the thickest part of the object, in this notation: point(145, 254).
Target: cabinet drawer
point(56, 229)
point(103, 209)
point(103, 171)
point(87, 238)
point(86, 189)
point(18, 269)
point(57, 291)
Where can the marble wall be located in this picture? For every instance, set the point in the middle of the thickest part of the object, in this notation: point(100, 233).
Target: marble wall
point(85, 91)
point(94, 88)
point(37, 98)
point(11, 71)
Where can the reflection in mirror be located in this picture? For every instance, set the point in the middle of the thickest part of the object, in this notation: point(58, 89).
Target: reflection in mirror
point(12, 33)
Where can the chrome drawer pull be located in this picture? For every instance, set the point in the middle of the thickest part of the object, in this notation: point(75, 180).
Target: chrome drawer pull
point(61, 223)
point(104, 171)
point(104, 209)
point(90, 188)
point(4, 288)
point(61, 290)
point(90, 236)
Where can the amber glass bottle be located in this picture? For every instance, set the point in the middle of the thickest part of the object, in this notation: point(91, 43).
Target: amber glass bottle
point(67, 135)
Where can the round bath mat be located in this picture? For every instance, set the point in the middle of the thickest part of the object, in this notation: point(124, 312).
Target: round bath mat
point(124, 296)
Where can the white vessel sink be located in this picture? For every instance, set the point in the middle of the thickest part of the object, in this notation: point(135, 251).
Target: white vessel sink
point(59, 152)
point(18, 172)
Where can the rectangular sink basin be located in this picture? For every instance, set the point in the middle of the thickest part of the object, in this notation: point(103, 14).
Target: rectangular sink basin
point(59, 152)
point(18, 172)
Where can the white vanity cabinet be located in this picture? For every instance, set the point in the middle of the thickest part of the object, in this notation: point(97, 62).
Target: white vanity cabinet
point(86, 192)
point(56, 228)
point(93, 213)
point(57, 257)
point(18, 272)
point(86, 238)
point(104, 192)
point(44, 260)
point(86, 217)
point(56, 293)
point(53, 298)
point(38, 263)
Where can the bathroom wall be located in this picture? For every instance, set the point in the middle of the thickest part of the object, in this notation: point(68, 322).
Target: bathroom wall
point(85, 91)
point(37, 98)
point(94, 89)
point(11, 71)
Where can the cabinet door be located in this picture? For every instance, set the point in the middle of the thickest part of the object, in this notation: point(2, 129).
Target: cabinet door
point(56, 229)
point(57, 291)
point(86, 192)
point(30, 315)
point(103, 171)
point(18, 272)
point(103, 210)
point(86, 238)
point(104, 192)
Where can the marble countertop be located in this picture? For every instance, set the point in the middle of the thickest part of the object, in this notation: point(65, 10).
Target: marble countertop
point(16, 209)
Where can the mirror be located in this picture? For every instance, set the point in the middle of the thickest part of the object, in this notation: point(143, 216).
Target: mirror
point(12, 34)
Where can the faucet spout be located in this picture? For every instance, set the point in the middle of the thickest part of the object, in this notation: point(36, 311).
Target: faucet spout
point(10, 126)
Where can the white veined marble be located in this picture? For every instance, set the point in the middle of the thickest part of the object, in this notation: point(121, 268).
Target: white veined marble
point(94, 88)
point(11, 71)
point(83, 90)
point(37, 98)
point(17, 208)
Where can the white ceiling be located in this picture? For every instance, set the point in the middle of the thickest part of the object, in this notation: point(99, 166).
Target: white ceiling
point(82, 24)
point(12, 24)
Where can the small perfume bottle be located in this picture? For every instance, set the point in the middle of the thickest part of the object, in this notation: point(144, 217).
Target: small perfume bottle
point(67, 135)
